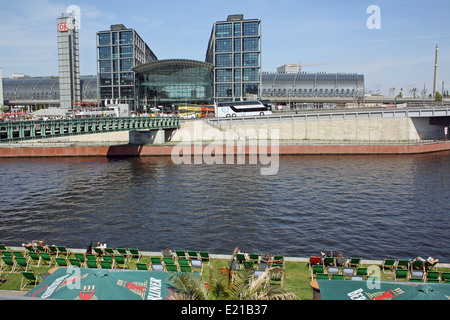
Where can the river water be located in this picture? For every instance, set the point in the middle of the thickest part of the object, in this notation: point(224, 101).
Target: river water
point(370, 206)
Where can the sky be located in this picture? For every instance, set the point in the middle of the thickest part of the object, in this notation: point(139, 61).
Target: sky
point(394, 46)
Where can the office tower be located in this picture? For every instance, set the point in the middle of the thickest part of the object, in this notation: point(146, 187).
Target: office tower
point(68, 61)
point(235, 51)
point(119, 50)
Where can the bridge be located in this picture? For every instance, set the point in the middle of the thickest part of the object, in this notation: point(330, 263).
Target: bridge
point(14, 131)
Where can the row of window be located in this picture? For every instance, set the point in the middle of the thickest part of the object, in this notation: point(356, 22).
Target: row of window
point(237, 29)
point(237, 75)
point(112, 38)
point(308, 92)
point(240, 89)
point(124, 78)
point(249, 59)
point(44, 95)
point(239, 44)
point(124, 51)
point(126, 93)
point(115, 65)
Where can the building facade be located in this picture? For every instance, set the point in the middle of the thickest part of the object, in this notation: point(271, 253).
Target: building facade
point(172, 82)
point(234, 49)
point(119, 50)
point(68, 61)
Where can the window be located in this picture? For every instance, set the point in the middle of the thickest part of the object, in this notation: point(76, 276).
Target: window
point(251, 59)
point(224, 30)
point(104, 53)
point(251, 88)
point(126, 37)
point(224, 90)
point(223, 60)
point(237, 44)
point(251, 44)
point(126, 64)
point(237, 29)
point(251, 28)
point(104, 39)
point(105, 66)
point(127, 78)
point(105, 79)
point(223, 75)
point(126, 51)
point(237, 60)
point(251, 74)
point(224, 45)
point(237, 75)
point(237, 90)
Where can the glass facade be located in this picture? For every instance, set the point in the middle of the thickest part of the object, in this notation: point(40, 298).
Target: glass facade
point(168, 83)
point(304, 85)
point(235, 51)
point(119, 50)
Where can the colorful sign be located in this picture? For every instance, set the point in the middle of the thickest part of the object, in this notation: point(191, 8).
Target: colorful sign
point(104, 284)
point(63, 27)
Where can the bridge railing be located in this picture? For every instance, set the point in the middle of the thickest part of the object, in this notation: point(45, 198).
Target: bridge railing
point(12, 131)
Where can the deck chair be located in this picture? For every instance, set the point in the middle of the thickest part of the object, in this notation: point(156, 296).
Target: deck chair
point(278, 264)
point(18, 254)
point(179, 254)
point(3, 248)
point(401, 274)
point(445, 277)
point(184, 262)
point(61, 262)
point(417, 276)
point(53, 250)
point(277, 276)
point(402, 263)
point(348, 272)
point(388, 264)
point(333, 270)
point(91, 257)
point(141, 266)
point(204, 256)
point(328, 261)
point(354, 262)
point(22, 264)
point(361, 272)
point(30, 277)
point(156, 264)
point(192, 255)
point(185, 269)
point(105, 264)
point(417, 264)
point(120, 260)
point(254, 257)
point(124, 252)
point(240, 257)
point(98, 251)
point(8, 263)
point(35, 257)
point(135, 253)
point(74, 262)
point(337, 277)
point(81, 257)
point(171, 268)
point(357, 278)
point(46, 258)
point(432, 276)
point(62, 250)
point(91, 264)
point(322, 276)
point(314, 261)
point(340, 261)
point(110, 251)
point(316, 269)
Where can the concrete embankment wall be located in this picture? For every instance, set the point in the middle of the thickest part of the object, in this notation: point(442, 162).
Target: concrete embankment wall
point(350, 136)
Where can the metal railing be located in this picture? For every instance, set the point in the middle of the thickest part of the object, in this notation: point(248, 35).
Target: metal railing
point(12, 131)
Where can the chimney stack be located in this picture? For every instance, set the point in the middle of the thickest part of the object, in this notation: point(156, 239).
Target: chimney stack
point(435, 71)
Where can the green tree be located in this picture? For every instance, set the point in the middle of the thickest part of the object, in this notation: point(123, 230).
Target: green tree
point(437, 97)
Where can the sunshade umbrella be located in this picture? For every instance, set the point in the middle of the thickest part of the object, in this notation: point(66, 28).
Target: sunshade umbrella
point(382, 290)
point(104, 284)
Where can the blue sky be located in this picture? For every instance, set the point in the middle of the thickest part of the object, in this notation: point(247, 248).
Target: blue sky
point(400, 54)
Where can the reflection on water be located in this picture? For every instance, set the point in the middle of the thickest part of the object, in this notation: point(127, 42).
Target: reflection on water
point(369, 206)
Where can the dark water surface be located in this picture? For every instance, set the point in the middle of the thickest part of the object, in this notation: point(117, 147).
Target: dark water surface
point(369, 206)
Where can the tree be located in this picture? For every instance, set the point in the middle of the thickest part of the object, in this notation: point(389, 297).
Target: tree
point(222, 285)
point(437, 97)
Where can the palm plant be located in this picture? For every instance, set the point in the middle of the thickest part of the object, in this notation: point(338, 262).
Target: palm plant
point(220, 285)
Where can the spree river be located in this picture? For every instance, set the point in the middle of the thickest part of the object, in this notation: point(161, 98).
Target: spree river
point(370, 206)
